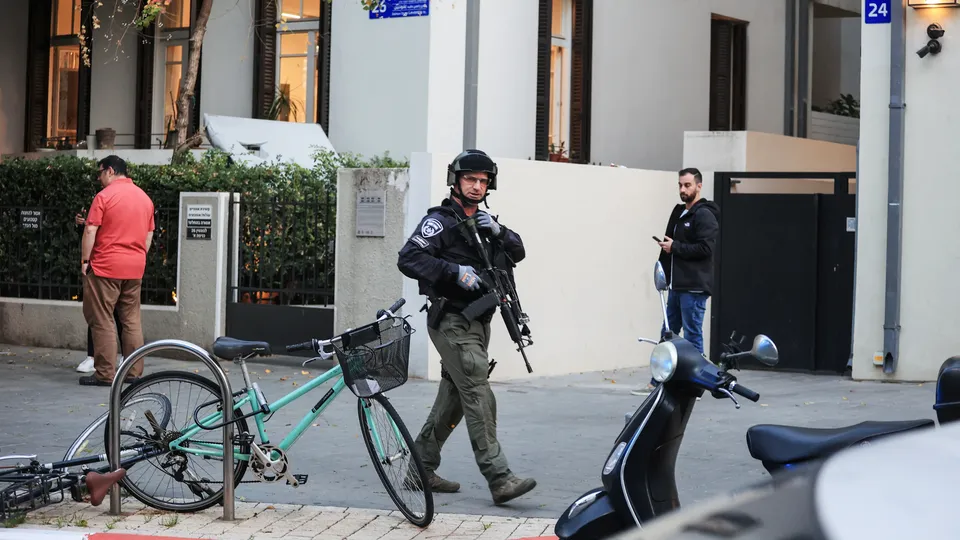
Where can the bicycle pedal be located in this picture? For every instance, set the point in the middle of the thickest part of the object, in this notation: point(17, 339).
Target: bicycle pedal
point(300, 478)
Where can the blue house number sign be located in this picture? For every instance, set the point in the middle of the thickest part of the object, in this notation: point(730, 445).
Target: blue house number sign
point(877, 11)
point(391, 9)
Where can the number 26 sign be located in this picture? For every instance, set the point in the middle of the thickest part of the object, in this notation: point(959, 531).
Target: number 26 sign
point(876, 11)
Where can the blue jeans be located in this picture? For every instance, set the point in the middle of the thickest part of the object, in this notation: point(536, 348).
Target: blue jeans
point(685, 312)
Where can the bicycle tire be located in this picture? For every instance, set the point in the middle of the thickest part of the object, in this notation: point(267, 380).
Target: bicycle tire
point(102, 420)
point(408, 441)
point(240, 427)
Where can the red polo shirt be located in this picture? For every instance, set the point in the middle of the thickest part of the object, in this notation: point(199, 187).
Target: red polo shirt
point(124, 215)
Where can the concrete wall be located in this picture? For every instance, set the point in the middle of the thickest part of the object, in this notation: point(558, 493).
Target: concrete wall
point(13, 76)
point(366, 278)
point(198, 317)
point(391, 114)
point(750, 151)
point(578, 324)
point(651, 75)
point(929, 288)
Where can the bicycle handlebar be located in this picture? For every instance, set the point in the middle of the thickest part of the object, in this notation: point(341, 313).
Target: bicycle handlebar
point(317, 345)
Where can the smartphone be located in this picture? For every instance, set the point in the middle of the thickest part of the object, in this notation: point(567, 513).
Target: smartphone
point(657, 239)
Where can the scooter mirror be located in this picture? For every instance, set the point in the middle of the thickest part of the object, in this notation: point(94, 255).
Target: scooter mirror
point(765, 350)
point(659, 278)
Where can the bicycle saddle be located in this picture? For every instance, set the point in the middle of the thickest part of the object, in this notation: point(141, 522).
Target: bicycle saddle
point(99, 484)
point(229, 348)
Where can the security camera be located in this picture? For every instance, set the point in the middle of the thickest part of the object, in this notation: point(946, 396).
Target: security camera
point(932, 47)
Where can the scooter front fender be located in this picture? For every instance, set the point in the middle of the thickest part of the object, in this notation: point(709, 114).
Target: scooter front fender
point(591, 516)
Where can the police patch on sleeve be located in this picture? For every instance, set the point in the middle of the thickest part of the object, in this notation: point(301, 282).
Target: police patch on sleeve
point(431, 227)
point(418, 240)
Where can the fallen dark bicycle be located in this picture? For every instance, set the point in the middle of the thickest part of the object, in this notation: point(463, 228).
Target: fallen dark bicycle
point(33, 485)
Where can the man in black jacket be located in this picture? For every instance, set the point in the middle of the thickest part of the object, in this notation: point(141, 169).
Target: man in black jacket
point(687, 259)
point(441, 257)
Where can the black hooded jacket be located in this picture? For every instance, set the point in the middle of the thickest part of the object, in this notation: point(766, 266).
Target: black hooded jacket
point(689, 265)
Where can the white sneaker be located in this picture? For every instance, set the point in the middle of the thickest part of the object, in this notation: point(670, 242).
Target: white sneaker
point(86, 366)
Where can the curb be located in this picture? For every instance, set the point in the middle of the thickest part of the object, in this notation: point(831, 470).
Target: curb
point(41, 534)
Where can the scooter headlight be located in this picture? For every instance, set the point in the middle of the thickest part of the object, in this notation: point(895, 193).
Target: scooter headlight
point(663, 361)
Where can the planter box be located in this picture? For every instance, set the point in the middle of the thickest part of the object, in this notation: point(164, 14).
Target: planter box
point(833, 128)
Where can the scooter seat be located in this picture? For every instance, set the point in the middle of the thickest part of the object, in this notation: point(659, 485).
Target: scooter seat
point(789, 444)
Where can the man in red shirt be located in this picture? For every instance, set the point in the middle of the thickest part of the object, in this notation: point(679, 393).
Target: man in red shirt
point(117, 236)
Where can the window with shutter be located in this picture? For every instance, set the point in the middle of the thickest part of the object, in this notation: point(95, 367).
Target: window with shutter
point(58, 79)
point(563, 80)
point(298, 86)
point(728, 72)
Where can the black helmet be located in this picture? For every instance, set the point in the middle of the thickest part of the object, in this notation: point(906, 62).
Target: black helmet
point(472, 161)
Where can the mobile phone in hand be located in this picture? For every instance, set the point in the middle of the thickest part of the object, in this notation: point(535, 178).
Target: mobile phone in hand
point(657, 239)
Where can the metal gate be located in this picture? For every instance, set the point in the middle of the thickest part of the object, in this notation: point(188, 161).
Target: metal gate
point(784, 268)
point(281, 270)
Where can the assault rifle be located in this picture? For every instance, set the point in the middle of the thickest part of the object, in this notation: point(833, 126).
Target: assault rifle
point(502, 293)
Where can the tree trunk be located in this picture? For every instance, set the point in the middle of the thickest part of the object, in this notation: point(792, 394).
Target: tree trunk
point(189, 81)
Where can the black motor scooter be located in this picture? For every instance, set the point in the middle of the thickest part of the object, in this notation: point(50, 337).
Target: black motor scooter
point(638, 476)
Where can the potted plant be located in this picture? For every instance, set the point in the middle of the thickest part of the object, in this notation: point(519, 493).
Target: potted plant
point(558, 153)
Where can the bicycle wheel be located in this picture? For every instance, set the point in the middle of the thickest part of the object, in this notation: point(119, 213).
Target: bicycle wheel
point(377, 438)
point(177, 465)
point(88, 442)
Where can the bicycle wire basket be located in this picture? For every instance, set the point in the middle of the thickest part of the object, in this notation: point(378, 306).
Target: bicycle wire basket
point(375, 357)
point(18, 498)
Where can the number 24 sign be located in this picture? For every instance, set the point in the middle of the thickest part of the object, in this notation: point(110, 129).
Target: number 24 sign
point(877, 11)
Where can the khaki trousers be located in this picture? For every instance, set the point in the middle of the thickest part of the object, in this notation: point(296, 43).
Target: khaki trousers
point(462, 346)
point(100, 297)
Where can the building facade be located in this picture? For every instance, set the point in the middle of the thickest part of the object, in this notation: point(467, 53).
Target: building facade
point(617, 81)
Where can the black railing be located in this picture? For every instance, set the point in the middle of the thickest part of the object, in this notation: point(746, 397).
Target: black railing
point(286, 252)
point(40, 255)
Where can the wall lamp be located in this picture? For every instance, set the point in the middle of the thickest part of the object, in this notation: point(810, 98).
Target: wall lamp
point(934, 32)
point(933, 3)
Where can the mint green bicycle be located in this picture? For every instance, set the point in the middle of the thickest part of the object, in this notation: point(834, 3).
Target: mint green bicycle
point(178, 448)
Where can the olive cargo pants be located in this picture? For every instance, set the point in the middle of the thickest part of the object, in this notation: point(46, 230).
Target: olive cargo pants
point(462, 346)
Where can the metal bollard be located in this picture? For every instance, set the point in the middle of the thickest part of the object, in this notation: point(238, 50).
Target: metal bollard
point(226, 395)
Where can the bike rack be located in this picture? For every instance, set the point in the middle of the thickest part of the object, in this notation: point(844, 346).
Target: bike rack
point(226, 395)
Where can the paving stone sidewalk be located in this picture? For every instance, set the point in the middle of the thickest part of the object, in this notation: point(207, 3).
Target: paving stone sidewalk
point(281, 521)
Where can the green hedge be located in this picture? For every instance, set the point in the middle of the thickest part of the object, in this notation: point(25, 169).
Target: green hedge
point(288, 219)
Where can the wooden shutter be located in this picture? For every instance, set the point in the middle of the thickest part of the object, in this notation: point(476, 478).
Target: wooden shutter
point(325, 40)
point(720, 41)
point(264, 57)
point(542, 137)
point(84, 75)
point(580, 78)
point(143, 123)
point(38, 73)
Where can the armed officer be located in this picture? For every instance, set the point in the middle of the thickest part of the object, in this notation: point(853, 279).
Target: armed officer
point(441, 257)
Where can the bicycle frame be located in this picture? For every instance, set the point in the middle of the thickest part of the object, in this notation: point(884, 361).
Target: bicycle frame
point(293, 435)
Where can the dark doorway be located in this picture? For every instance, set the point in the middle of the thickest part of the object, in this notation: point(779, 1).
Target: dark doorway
point(784, 266)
